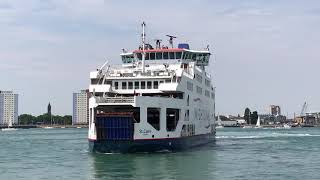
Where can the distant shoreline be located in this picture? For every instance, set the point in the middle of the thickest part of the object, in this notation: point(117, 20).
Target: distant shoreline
point(44, 126)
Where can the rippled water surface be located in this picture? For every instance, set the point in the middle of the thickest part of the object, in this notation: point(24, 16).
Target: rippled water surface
point(237, 154)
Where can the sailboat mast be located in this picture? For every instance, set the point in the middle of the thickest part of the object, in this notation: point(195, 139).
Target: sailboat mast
point(143, 46)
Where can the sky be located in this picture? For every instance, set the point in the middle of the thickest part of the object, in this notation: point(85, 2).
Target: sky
point(263, 52)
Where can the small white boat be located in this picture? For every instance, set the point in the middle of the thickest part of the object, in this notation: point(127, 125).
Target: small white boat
point(47, 127)
point(247, 126)
point(258, 125)
point(78, 127)
point(286, 126)
point(219, 126)
point(9, 129)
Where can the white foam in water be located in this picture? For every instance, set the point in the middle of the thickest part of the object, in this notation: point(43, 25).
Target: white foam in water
point(268, 135)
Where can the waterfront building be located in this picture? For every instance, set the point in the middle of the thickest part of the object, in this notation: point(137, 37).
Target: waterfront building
point(275, 110)
point(80, 107)
point(8, 108)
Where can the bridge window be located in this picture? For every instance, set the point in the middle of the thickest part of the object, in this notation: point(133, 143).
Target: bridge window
point(172, 118)
point(136, 85)
point(124, 85)
point(139, 56)
point(185, 55)
point(159, 55)
point(193, 57)
point(171, 55)
point(149, 84)
point(165, 55)
point(152, 56)
point(153, 117)
point(116, 85)
point(130, 85)
point(178, 55)
point(147, 56)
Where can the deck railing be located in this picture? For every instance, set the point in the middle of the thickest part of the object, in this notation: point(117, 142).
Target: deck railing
point(115, 100)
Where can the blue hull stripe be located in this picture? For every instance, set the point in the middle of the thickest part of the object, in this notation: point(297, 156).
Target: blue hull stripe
point(131, 146)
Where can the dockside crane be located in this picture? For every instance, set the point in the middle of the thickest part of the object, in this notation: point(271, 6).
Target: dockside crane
point(304, 109)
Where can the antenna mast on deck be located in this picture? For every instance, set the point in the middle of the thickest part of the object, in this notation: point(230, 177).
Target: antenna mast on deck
point(171, 40)
point(143, 45)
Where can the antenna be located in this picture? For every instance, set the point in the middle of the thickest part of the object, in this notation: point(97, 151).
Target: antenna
point(171, 40)
point(158, 43)
point(143, 44)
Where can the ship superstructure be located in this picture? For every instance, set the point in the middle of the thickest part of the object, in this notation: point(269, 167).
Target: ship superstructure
point(160, 98)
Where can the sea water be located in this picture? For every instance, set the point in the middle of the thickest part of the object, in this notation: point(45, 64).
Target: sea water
point(237, 154)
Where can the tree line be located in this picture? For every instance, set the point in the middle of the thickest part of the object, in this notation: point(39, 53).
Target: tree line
point(28, 119)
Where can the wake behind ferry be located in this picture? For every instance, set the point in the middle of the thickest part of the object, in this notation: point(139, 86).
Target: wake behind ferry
point(160, 99)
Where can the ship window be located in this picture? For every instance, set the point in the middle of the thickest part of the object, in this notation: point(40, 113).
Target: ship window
point(130, 85)
point(94, 81)
point(207, 93)
point(172, 118)
point(207, 82)
point(171, 54)
point(143, 84)
point(116, 85)
point(185, 55)
point(165, 55)
point(136, 85)
point(178, 55)
point(187, 116)
point(155, 84)
point(199, 78)
point(160, 82)
point(168, 80)
point(188, 101)
point(147, 56)
point(149, 84)
point(153, 117)
point(199, 90)
point(189, 86)
point(193, 57)
point(129, 60)
point(152, 56)
point(108, 82)
point(124, 85)
point(159, 55)
point(139, 56)
point(198, 57)
point(136, 114)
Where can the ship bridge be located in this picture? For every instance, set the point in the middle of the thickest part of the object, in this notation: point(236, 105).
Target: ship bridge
point(170, 55)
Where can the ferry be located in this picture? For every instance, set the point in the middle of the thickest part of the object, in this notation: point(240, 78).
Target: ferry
point(161, 98)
